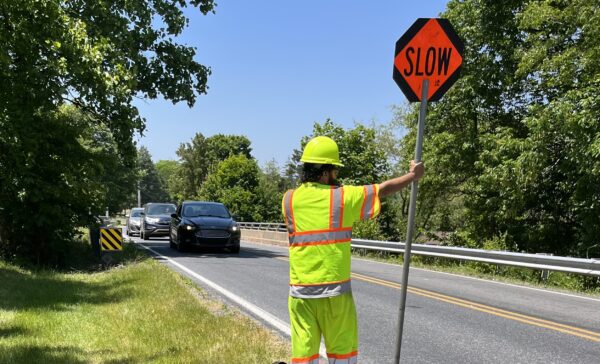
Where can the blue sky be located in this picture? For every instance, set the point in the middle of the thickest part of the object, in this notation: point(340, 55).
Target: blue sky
point(280, 66)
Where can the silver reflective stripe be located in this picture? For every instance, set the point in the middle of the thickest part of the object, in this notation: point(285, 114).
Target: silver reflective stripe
point(320, 290)
point(350, 360)
point(369, 202)
point(287, 202)
point(333, 236)
point(336, 211)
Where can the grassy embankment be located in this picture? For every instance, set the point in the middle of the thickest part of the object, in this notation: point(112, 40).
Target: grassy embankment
point(137, 312)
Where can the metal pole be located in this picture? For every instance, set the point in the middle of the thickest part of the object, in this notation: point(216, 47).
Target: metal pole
point(411, 218)
point(139, 197)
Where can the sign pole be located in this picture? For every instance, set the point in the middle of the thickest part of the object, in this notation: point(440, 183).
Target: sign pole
point(411, 217)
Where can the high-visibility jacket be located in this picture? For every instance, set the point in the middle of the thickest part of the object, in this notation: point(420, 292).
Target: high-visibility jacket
point(319, 221)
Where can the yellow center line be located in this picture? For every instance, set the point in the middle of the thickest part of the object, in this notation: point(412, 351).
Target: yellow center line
point(459, 300)
point(590, 335)
point(566, 329)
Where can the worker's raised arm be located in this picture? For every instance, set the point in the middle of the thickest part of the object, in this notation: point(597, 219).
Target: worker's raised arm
point(394, 185)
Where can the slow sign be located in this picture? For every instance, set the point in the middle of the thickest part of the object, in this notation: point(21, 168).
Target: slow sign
point(430, 49)
point(426, 63)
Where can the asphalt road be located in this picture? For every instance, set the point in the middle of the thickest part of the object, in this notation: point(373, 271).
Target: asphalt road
point(449, 318)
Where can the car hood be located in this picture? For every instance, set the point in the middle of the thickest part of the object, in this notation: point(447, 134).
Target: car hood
point(135, 219)
point(163, 219)
point(210, 222)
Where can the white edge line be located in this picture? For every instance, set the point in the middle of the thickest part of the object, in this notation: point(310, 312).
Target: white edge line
point(264, 315)
point(474, 278)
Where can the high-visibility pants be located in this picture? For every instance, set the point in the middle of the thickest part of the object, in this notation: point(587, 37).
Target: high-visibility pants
point(335, 318)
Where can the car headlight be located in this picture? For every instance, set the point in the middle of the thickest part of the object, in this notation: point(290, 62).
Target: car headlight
point(189, 227)
point(152, 220)
point(234, 228)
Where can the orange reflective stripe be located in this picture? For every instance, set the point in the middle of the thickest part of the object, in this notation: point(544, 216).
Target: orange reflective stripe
point(368, 207)
point(342, 207)
point(306, 360)
point(372, 210)
point(326, 242)
point(331, 207)
point(320, 231)
point(362, 208)
point(342, 356)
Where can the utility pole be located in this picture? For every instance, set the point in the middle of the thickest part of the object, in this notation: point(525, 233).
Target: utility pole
point(139, 197)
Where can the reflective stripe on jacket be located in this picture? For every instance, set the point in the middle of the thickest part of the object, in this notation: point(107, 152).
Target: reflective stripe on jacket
point(319, 222)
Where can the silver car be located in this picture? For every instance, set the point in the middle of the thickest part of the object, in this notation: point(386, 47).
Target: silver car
point(134, 221)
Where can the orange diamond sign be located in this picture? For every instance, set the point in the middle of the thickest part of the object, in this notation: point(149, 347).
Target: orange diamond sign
point(429, 50)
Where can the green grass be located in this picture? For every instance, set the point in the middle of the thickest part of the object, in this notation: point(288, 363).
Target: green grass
point(136, 312)
point(557, 281)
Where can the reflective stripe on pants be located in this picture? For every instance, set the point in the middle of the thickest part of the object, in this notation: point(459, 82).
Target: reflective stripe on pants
point(313, 359)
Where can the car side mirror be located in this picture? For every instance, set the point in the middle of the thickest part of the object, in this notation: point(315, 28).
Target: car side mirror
point(174, 216)
point(143, 214)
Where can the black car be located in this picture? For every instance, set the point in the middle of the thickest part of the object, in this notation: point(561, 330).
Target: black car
point(157, 217)
point(205, 225)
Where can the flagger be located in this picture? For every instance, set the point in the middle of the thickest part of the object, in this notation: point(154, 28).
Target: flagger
point(319, 216)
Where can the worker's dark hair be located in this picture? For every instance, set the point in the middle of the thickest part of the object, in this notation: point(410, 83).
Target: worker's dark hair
point(312, 172)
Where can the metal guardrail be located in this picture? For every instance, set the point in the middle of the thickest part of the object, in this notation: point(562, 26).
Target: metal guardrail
point(535, 261)
point(269, 226)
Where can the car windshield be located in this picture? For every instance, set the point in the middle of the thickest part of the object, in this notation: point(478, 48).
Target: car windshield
point(165, 209)
point(136, 213)
point(215, 210)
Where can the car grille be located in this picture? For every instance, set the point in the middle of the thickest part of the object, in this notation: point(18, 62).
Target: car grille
point(213, 234)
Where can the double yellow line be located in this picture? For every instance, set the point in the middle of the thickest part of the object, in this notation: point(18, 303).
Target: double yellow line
point(566, 329)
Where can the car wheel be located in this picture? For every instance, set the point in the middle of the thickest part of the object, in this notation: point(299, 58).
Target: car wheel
point(235, 249)
point(171, 243)
point(180, 247)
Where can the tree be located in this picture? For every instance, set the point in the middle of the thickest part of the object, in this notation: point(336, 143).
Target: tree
point(513, 146)
point(169, 175)
point(96, 57)
point(151, 186)
point(202, 155)
point(269, 193)
point(234, 183)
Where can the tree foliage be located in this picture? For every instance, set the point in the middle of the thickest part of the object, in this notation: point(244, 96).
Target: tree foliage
point(512, 149)
point(95, 56)
point(202, 155)
point(234, 183)
point(170, 178)
point(151, 185)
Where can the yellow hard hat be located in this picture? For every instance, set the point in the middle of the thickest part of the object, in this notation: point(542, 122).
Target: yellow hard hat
point(321, 150)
